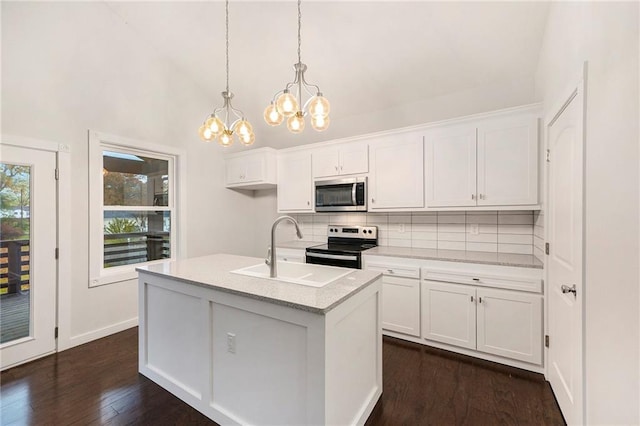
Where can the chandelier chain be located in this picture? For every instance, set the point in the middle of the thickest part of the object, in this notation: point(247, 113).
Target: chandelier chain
point(299, 25)
point(227, 40)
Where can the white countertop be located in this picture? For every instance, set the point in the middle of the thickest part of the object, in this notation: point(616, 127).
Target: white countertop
point(502, 259)
point(214, 271)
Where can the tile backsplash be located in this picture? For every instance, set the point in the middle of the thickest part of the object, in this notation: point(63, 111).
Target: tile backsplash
point(490, 231)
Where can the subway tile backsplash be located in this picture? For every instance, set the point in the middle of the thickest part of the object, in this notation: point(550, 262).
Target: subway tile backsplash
point(490, 231)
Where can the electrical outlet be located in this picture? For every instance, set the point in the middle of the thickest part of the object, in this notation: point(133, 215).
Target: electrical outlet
point(231, 343)
point(401, 228)
point(474, 229)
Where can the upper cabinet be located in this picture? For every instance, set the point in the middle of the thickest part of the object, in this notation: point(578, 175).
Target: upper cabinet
point(396, 179)
point(337, 160)
point(254, 169)
point(492, 162)
point(295, 184)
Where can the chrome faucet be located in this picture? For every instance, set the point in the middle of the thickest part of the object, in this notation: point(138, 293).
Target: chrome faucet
point(271, 254)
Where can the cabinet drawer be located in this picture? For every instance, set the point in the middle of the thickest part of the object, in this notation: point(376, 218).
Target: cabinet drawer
point(395, 270)
point(511, 282)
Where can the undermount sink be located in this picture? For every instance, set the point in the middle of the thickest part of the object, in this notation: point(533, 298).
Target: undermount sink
point(298, 273)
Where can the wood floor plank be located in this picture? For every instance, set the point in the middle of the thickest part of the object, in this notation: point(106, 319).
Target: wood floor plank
point(98, 384)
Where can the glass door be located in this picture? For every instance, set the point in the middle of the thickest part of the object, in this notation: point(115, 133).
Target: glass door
point(27, 254)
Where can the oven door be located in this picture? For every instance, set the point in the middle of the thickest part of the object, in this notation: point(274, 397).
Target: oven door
point(335, 259)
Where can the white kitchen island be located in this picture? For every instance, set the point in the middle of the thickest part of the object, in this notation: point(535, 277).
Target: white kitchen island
point(246, 350)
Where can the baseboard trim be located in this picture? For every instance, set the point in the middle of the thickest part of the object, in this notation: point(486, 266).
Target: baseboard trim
point(83, 338)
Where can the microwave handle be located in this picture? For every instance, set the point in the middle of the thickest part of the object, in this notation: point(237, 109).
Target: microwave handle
point(353, 194)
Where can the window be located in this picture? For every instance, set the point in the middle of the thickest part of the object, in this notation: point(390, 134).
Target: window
point(133, 215)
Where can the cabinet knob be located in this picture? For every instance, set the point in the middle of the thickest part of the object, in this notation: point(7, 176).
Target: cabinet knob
point(308, 203)
point(472, 298)
point(473, 196)
point(479, 299)
point(482, 196)
point(373, 200)
point(390, 271)
point(336, 168)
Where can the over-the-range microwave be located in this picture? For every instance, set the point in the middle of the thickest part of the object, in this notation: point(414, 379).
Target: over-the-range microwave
point(341, 195)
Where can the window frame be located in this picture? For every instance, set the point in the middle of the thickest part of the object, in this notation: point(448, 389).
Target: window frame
point(99, 142)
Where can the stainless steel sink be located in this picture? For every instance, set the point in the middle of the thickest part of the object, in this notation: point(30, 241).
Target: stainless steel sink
point(298, 273)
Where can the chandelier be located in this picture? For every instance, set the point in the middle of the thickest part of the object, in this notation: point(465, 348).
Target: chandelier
point(216, 125)
point(285, 104)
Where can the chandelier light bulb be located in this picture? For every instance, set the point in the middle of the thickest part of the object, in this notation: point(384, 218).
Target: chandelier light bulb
point(226, 138)
point(205, 133)
point(248, 138)
point(272, 116)
point(243, 127)
point(319, 106)
point(320, 123)
point(287, 104)
point(295, 123)
point(215, 125)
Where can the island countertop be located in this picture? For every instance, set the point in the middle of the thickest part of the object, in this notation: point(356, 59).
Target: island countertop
point(214, 271)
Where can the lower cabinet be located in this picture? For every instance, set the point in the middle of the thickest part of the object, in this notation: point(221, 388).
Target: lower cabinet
point(500, 322)
point(400, 298)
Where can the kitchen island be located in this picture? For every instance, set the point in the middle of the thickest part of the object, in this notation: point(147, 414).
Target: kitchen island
point(247, 350)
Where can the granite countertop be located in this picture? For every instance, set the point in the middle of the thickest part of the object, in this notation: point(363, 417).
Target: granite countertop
point(502, 259)
point(214, 271)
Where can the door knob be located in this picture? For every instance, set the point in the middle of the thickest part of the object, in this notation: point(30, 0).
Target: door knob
point(566, 289)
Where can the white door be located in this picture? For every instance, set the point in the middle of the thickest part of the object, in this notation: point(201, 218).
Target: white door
point(397, 176)
point(449, 313)
point(450, 158)
point(565, 261)
point(508, 161)
point(28, 264)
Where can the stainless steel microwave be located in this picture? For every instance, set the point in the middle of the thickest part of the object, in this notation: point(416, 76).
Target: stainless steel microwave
point(341, 195)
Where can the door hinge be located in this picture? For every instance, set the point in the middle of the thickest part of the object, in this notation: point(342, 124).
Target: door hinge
point(55, 332)
point(546, 341)
point(548, 156)
point(57, 252)
point(57, 174)
point(546, 248)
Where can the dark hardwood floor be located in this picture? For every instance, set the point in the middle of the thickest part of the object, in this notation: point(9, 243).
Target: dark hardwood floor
point(98, 383)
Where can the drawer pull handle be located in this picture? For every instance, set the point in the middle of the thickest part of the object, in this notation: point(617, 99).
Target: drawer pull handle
point(472, 298)
point(390, 271)
point(476, 279)
point(479, 299)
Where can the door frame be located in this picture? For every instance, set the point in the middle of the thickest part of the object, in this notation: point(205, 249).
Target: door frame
point(578, 86)
point(63, 225)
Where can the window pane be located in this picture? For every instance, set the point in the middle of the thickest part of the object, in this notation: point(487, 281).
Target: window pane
point(135, 237)
point(15, 259)
point(133, 180)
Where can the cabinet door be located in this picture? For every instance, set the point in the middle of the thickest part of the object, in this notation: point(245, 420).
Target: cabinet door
point(354, 158)
point(510, 324)
point(508, 161)
point(397, 176)
point(401, 305)
point(450, 165)
point(295, 185)
point(254, 168)
point(449, 313)
point(326, 162)
point(235, 170)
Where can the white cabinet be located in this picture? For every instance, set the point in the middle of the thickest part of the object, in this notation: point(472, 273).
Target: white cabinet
point(295, 184)
point(492, 162)
point(337, 160)
point(449, 313)
point(510, 324)
point(400, 297)
point(396, 181)
point(499, 322)
point(254, 169)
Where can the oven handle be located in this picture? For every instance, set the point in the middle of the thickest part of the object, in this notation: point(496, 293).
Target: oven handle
point(332, 256)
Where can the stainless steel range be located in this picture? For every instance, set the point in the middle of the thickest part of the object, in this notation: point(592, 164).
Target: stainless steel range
point(344, 247)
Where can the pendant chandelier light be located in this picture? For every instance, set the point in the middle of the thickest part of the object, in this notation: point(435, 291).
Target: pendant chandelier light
point(216, 125)
point(285, 103)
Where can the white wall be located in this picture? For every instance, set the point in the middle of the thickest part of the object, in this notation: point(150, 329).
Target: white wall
point(70, 67)
point(606, 35)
